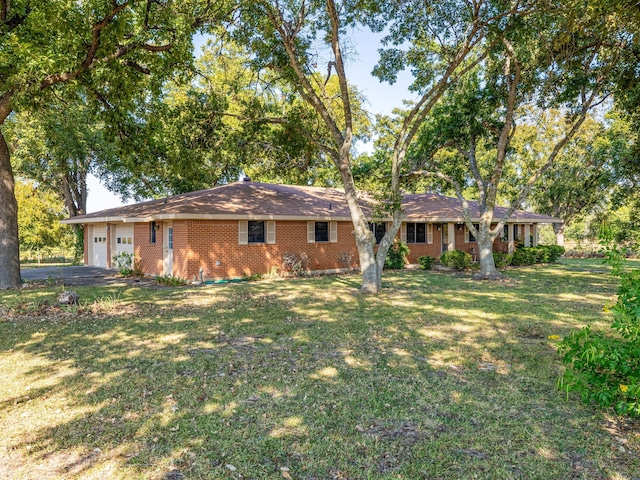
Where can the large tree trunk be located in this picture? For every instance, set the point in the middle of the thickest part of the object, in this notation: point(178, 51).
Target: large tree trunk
point(488, 270)
point(365, 239)
point(371, 274)
point(9, 246)
point(558, 229)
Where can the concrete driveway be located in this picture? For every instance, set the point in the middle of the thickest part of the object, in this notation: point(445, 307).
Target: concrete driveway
point(87, 276)
point(66, 273)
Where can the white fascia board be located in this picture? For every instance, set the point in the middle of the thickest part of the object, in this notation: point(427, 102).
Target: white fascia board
point(317, 218)
point(73, 220)
point(231, 216)
point(204, 216)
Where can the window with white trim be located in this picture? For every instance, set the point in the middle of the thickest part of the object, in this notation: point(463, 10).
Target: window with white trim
point(255, 232)
point(416, 233)
point(321, 231)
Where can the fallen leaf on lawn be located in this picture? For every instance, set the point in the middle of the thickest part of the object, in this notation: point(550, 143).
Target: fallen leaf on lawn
point(285, 473)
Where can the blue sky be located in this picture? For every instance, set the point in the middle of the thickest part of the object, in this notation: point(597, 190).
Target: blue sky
point(362, 54)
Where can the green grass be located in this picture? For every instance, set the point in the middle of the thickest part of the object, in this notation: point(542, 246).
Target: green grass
point(437, 377)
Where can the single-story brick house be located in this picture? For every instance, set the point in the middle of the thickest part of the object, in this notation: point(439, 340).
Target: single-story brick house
point(245, 228)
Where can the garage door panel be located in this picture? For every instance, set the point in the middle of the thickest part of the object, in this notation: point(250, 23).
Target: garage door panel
point(99, 244)
point(123, 239)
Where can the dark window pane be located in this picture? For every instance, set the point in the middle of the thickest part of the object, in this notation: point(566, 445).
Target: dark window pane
point(152, 232)
point(471, 237)
point(411, 233)
point(378, 229)
point(322, 231)
point(256, 232)
point(421, 232)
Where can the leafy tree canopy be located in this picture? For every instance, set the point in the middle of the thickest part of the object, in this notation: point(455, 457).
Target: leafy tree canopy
point(39, 215)
point(105, 50)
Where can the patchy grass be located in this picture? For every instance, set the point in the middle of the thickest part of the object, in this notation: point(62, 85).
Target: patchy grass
point(437, 377)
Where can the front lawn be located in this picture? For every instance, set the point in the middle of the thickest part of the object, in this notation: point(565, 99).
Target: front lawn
point(437, 377)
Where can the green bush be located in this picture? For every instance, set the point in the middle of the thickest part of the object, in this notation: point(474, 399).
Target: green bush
point(603, 369)
point(127, 266)
point(555, 252)
point(123, 262)
point(456, 259)
point(501, 259)
point(426, 262)
point(523, 256)
point(397, 255)
point(170, 280)
point(539, 254)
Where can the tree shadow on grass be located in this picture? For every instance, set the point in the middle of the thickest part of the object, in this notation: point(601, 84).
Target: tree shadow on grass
point(424, 380)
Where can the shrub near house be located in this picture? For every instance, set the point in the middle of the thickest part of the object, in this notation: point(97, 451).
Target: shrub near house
point(540, 254)
point(456, 259)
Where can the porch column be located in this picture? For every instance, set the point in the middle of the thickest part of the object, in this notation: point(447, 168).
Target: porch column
point(510, 233)
point(535, 234)
point(527, 235)
point(452, 236)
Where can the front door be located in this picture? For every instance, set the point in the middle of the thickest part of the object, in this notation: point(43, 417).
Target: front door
point(445, 237)
point(168, 249)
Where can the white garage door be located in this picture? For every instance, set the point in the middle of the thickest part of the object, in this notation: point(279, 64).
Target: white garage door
point(99, 247)
point(124, 239)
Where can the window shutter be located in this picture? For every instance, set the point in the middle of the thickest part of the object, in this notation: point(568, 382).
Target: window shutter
point(333, 232)
point(271, 232)
point(311, 232)
point(466, 234)
point(403, 233)
point(243, 232)
point(429, 232)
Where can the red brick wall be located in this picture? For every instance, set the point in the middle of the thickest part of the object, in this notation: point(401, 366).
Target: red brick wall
point(201, 243)
point(498, 244)
point(435, 249)
point(149, 255)
point(212, 241)
point(181, 253)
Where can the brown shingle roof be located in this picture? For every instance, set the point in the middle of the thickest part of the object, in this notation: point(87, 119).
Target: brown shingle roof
point(264, 200)
point(441, 208)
